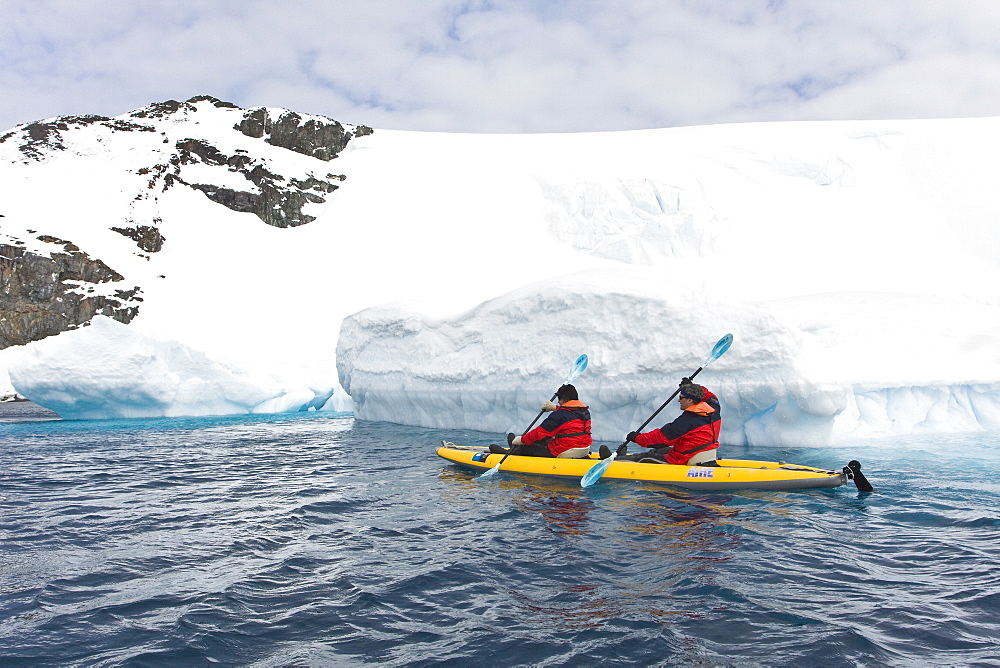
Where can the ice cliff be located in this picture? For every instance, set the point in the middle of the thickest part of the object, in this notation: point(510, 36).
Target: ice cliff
point(805, 371)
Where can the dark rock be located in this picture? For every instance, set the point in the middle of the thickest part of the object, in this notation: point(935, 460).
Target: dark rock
point(148, 238)
point(323, 140)
point(237, 200)
point(214, 100)
point(161, 109)
point(278, 201)
point(127, 126)
point(37, 300)
point(256, 123)
point(41, 136)
point(188, 148)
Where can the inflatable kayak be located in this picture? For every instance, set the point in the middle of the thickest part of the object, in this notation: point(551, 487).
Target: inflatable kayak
point(729, 474)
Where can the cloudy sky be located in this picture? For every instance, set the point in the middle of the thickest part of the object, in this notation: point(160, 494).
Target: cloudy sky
point(507, 65)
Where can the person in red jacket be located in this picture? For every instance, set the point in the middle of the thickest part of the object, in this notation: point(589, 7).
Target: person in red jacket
point(691, 439)
point(564, 433)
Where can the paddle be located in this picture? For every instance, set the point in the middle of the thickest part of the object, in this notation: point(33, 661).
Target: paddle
point(578, 367)
point(853, 471)
point(597, 470)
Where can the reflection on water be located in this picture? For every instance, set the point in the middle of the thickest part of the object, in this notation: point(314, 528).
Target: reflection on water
point(25, 411)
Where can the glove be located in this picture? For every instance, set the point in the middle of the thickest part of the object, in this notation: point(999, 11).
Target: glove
point(516, 441)
point(685, 381)
point(630, 438)
point(510, 438)
point(549, 406)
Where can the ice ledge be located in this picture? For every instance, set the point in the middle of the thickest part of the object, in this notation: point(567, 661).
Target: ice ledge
point(817, 370)
point(109, 370)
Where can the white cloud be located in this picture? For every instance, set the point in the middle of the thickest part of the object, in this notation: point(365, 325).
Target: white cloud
point(507, 66)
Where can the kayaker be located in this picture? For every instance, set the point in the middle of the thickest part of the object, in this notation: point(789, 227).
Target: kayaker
point(693, 438)
point(564, 433)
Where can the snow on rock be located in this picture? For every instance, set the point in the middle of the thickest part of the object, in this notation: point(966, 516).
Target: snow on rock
point(109, 370)
point(812, 371)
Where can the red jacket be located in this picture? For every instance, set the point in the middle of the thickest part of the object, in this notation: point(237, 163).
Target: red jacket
point(568, 427)
point(696, 430)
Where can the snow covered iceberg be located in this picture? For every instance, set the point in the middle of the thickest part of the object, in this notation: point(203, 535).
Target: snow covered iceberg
point(807, 371)
point(109, 370)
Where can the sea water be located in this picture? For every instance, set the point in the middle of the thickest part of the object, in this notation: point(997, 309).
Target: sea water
point(317, 539)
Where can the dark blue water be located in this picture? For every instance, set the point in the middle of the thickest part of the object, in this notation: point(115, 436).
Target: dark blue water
point(315, 539)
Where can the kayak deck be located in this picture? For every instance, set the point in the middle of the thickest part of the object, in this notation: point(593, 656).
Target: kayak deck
point(730, 474)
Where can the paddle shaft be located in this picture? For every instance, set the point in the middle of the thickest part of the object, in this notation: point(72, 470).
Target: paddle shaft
point(598, 469)
point(664, 405)
point(538, 416)
point(511, 447)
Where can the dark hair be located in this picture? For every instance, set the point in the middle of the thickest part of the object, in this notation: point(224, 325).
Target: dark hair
point(693, 392)
point(567, 393)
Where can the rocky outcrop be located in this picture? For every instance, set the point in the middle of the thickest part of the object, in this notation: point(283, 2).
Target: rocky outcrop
point(312, 137)
point(170, 107)
point(275, 200)
point(146, 237)
point(41, 137)
point(44, 295)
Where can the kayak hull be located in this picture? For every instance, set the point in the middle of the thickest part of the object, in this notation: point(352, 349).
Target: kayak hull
point(731, 474)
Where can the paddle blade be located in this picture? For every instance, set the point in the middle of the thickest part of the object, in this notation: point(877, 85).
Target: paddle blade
point(490, 472)
point(596, 471)
point(720, 348)
point(860, 481)
point(578, 367)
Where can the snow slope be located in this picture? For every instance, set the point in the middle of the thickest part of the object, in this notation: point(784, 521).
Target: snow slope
point(856, 263)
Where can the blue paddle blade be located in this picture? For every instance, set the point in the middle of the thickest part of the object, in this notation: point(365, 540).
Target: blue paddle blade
point(490, 472)
point(578, 367)
point(721, 347)
point(596, 471)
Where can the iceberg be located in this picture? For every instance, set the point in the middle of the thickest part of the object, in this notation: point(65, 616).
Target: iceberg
point(110, 370)
point(818, 370)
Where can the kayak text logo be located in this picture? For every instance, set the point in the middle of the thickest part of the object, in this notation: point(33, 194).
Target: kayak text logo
point(699, 472)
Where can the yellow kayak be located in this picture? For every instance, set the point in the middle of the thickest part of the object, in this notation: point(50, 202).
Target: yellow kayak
point(729, 474)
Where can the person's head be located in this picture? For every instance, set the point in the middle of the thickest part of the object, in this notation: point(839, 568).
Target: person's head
point(566, 393)
point(691, 394)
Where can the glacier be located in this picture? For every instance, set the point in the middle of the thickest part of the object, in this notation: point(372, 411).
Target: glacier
point(452, 279)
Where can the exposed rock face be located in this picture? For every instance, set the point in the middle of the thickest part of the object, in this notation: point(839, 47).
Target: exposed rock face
point(320, 140)
point(277, 201)
point(46, 136)
point(38, 297)
point(148, 238)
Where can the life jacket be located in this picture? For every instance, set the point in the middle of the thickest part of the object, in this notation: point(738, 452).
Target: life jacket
point(696, 430)
point(566, 427)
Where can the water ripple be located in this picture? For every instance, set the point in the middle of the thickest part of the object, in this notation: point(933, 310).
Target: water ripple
point(309, 540)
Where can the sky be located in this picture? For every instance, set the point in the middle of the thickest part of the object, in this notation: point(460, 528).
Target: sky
point(515, 66)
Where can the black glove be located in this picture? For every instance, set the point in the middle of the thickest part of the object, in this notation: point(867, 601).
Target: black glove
point(510, 438)
point(631, 437)
point(685, 381)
